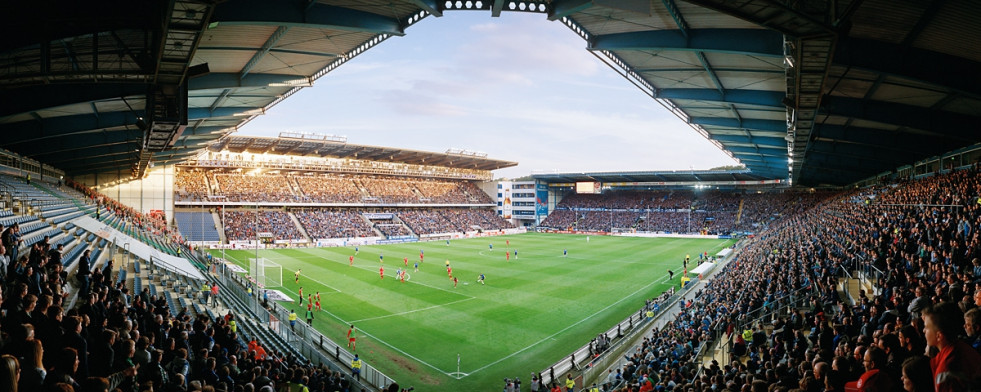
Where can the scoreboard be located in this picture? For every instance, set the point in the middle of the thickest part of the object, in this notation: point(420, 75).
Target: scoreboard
point(588, 187)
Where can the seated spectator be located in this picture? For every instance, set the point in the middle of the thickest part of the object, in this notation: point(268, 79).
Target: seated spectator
point(956, 366)
point(875, 378)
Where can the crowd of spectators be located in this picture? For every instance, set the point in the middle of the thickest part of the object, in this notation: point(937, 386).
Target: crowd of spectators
point(466, 220)
point(243, 225)
point(392, 229)
point(190, 186)
point(682, 211)
point(338, 223)
point(112, 339)
point(268, 188)
point(329, 189)
point(425, 221)
point(445, 192)
point(388, 190)
point(321, 224)
point(452, 220)
point(917, 330)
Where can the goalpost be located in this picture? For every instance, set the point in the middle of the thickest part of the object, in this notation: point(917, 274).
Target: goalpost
point(266, 272)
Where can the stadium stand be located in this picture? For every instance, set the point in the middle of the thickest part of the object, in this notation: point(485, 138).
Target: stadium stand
point(914, 240)
point(193, 186)
point(321, 224)
point(709, 212)
point(783, 305)
point(196, 226)
point(243, 225)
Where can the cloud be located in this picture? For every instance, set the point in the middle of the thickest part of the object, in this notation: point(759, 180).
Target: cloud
point(412, 103)
point(486, 27)
point(517, 87)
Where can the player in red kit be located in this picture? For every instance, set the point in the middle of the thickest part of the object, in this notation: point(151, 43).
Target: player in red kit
point(381, 271)
point(406, 260)
point(507, 256)
point(449, 271)
point(350, 260)
point(351, 335)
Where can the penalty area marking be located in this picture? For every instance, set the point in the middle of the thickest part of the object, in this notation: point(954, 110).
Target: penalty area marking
point(311, 279)
point(458, 375)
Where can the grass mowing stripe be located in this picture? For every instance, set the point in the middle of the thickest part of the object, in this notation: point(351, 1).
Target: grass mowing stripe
point(550, 337)
point(534, 309)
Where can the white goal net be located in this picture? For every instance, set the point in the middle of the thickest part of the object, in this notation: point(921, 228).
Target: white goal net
point(266, 272)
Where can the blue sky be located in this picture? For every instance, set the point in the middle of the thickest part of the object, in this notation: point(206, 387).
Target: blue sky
point(517, 87)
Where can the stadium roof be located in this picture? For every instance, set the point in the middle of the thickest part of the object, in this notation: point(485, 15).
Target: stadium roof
point(834, 91)
point(666, 177)
point(325, 148)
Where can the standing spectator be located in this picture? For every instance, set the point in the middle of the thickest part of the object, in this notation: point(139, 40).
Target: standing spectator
point(73, 339)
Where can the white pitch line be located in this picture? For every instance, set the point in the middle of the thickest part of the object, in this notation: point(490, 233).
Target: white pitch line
point(345, 322)
point(567, 328)
point(314, 280)
point(413, 311)
point(451, 374)
point(448, 374)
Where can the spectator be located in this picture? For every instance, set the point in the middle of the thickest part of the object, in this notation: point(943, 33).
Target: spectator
point(956, 366)
point(917, 376)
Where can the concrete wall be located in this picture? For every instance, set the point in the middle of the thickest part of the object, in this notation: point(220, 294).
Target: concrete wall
point(153, 192)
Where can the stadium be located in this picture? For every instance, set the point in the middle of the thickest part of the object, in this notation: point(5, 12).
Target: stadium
point(149, 243)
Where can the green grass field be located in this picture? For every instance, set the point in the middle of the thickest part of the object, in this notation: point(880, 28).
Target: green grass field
point(532, 311)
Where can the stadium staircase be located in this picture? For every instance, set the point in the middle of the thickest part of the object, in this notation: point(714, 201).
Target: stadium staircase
point(294, 187)
point(207, 186)
point(395, 218)
point(218, 223)
point(303, 230)
point(378, 233)
point(851, 286)
point(213, 188)
point(364, 192)
point(739, 212)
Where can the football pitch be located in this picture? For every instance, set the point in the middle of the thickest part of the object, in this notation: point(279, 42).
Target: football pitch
point(533, 309)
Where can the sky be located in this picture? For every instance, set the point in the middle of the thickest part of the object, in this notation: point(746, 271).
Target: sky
point(519, 88)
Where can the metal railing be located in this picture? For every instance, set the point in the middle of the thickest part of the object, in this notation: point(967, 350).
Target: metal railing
point(780, 306)
point(303, 338)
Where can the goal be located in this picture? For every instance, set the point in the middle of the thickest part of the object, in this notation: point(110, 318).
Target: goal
point(266, 272)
